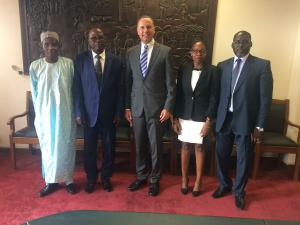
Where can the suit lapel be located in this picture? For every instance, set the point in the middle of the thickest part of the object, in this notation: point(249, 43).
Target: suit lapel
point(188, 78)
point(90, 62)
point(107, 66)
point(244, 73)
point(153, 57)
point(136, 59)
point(228, 73)
point(202, 77)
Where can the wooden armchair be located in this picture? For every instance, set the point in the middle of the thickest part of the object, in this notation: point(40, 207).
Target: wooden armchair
point(169, 146)
point(27, 135)
point(275, 139)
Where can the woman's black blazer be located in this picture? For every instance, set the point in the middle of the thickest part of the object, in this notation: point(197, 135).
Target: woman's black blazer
point(202, 102)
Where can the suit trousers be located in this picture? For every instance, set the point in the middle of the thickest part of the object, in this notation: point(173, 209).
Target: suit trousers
point(148, 141)
point(226, 138)
point(108, 136)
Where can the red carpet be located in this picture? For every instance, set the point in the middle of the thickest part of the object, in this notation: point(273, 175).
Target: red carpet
point(276, 197)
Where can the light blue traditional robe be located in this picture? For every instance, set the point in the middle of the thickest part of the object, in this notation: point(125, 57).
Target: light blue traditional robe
point(51, 85)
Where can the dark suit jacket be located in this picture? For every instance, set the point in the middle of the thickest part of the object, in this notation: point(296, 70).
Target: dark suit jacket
point(200, 103)
point(92, 102)
point(252, 96)
point(157, 90)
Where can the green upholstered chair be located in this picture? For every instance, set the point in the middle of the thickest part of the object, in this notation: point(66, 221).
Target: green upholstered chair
point(27, 135)
point(275, 139)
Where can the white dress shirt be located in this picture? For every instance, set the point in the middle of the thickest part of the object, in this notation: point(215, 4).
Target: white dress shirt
point(150, 49)
point(195, 77)
point(102, 59)
point(241, 67)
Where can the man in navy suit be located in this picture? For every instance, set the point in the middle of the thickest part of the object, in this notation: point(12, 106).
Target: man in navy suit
point(245, 97)
point(98, 105)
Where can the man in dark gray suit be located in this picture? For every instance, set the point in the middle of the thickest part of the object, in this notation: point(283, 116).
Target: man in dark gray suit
point(245, 97)
point(150, 95)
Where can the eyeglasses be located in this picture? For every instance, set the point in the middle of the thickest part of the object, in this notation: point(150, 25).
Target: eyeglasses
point(202, 51)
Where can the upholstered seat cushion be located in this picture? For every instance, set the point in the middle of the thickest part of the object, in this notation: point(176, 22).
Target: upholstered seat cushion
point(168, 135)
point(26, 132)
point(122, 133)
point(79, 132)
point(277, 139)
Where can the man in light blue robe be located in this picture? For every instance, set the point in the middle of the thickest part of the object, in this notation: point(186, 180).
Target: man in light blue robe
point(51, 83)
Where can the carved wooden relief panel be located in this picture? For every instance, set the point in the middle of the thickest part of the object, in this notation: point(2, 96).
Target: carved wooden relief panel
point(178, 23)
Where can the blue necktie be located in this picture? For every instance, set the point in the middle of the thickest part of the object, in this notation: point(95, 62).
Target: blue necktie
point(143, 60)
point(235, 73)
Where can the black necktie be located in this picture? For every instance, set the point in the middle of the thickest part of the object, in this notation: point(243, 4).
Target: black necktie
point(235, 73)
point(98, 68)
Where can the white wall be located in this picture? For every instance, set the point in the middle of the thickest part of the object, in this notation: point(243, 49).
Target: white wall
point(12, 85)
point(274, 25)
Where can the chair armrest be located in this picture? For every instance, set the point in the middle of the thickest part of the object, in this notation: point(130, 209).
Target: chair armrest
point(296, 126)
point(11, 121)
point(293, 124)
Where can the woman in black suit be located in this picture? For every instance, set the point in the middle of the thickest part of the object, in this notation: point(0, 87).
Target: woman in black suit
point(195, 108)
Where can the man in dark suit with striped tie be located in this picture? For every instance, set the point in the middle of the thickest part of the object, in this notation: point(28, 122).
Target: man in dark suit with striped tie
point(150, 95)
point(245, 97)
point(98, 105)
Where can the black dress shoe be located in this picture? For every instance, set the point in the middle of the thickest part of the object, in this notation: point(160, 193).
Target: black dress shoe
point(240, 202)
point(48, 189)
point(154, 189)
point(184, 191)
point(220, 192)
point(90, 187)
point(136, 185)
point(71, 188)
point(107, 185)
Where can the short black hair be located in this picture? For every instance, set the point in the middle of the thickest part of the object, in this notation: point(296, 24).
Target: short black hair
point(242, 32)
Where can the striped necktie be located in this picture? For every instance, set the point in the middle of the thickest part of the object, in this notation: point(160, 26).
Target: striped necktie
point(143, 60)
point(235, 73)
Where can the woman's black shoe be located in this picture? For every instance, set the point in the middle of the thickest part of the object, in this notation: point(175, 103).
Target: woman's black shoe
point(184, 191)
point(196, 193)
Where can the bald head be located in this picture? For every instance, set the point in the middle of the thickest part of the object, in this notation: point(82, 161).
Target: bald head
point(241, 43)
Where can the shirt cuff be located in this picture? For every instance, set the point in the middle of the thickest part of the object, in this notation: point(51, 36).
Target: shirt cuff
point(260, 129)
